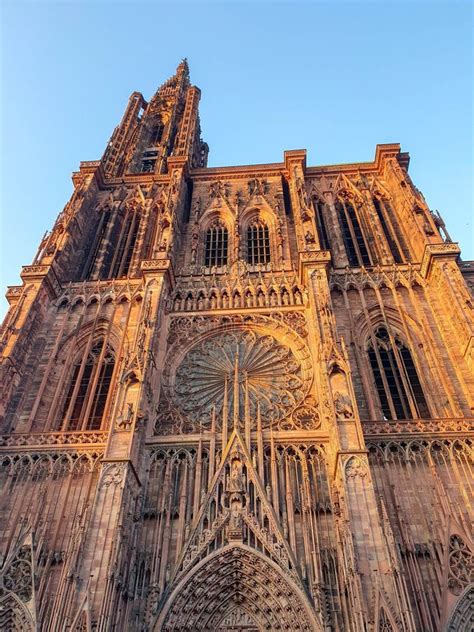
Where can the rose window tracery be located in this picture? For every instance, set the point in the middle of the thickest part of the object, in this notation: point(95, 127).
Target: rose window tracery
point(264, 372)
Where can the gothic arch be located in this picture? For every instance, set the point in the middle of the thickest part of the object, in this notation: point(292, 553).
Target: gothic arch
point(236, 577)
point(462, 617)
point(14, 615)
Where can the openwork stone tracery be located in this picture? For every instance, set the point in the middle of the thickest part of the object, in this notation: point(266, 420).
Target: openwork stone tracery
point(267, 374)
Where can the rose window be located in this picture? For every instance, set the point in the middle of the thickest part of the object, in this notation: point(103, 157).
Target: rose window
point(260, 369)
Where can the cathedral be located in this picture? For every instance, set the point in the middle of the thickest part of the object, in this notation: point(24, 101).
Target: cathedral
point(237, 398)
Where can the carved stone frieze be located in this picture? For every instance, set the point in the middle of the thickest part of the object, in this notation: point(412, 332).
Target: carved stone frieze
point(377, 277)
point(43, 439)
point(426, 427)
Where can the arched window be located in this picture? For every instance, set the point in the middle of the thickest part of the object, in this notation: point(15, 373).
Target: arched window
point(258, 243)
point(321, 224)
point(87, 393)
point(354, 241)
point(396, 379)
point(384, 211)
point(217, 243)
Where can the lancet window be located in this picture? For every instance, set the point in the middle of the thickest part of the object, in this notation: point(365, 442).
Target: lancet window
point(86, 396)
point(217, 244)
point(354, 242)
point(97, 246)
point(321, 224)
point(258, 243)
point(384, 212)
point(396, 379)
point(122, 257)
point(156, 134)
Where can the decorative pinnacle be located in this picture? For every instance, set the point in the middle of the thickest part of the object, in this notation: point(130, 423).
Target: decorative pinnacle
point(183, 67)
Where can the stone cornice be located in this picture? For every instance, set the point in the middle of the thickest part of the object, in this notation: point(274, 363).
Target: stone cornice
point(38, 273)
point(441, 251)
point(383, 152)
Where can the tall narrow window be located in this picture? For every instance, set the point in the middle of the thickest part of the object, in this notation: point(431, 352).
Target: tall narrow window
point(396, 379)
point(156, 135)
point(258, 243)
point(381, 210)
point(122, 257)
point(217, 241)
point(354, 241)
point(97, 246)
point(86, 397)
point(321, 225)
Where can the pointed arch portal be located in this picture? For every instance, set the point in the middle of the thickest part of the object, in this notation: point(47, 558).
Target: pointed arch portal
point(236, 588)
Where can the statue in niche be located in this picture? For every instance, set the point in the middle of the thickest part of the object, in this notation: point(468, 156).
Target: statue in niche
point(235, 512)
point(197, 208)
point(343, 406)
point(309, 237)
point(256, 187)
point(236, 481)
point(428, 229)
point(124, 421)
point(194, 242)
point(301, 191)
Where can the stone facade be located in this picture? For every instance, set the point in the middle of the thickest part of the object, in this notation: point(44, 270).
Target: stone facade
point(237, 398)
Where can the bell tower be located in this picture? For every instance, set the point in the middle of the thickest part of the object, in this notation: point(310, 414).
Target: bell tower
point(150, 132)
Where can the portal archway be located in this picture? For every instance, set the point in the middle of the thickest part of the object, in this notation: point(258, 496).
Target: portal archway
point(237, 588)
point(462, 618)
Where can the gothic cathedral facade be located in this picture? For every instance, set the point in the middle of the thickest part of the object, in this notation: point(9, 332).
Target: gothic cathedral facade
point(237, 398)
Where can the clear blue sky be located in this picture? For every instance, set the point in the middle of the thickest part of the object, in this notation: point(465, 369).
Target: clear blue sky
point(334, 78)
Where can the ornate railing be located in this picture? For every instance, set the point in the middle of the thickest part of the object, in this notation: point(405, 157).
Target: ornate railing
point(60, 439)
point(410, 427)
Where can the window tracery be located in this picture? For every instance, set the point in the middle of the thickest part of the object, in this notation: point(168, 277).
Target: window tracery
point(354, 242)
point(120, 264)
point(384, 211)
point(396, 379)
point(86, 397)
point(321, 227)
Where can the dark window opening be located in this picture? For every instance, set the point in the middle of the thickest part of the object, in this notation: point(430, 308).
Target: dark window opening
point(392, 244)
point(97, 246)
point(89, 385)
point(394, 372)
point(258, 243)
point(122, 258)
point(217, 240)
point(321, 225)
point(156, 135)
point(149, 161)
point(356, 249)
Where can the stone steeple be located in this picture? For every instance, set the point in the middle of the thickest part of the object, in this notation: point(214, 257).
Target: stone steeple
point(151, 132)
